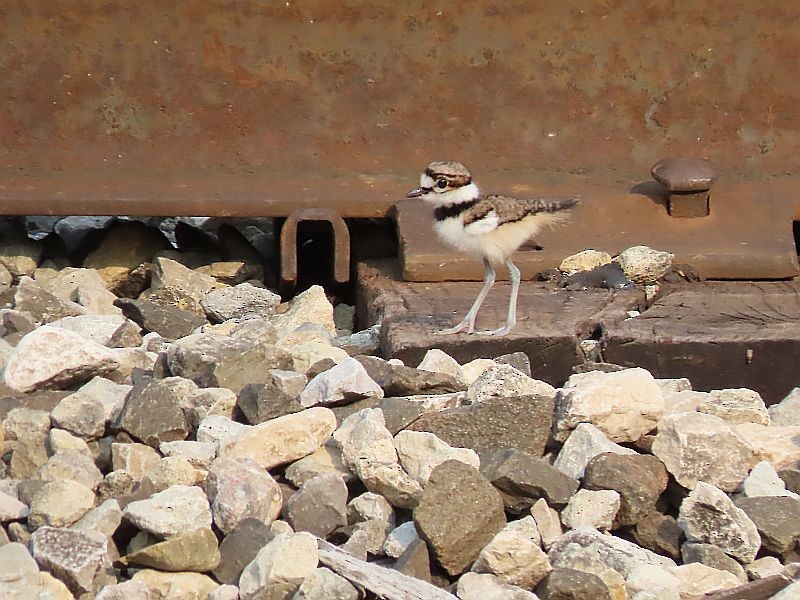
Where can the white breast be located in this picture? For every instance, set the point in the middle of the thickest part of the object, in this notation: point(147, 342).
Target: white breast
point(473, 238)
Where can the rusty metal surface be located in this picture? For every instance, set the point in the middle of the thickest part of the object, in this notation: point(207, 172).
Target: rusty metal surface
point(147, 103)
point(747, 235)
point(341, 244)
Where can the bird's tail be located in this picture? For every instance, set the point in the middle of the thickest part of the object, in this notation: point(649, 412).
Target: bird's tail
point(552, 204)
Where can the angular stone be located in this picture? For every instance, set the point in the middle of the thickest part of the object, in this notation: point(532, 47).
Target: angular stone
point(171, 274)
point(777, 519)
point(525, 479)
point(168, 321)
point(643, 264)
point(205, 402)
point(240, 547)
point(125, 247)
point(30, 453)
point(437, 361)
point(763, 480)
point(659, 533)
point(368, 449)
point(12, 509)
point(484, 586)
point(585, 547)
point(310, 306)
point(521, 423)
point(186, 585)
point(84, 286)
point(281, 440)
point(15, 562)
point(764, 567)
point(736, 406)
point(399, 380)
point(624, 405)
point(52, 357)
point(199, 454)
point(371, 507)
point(215, 429)
point(474, 368)
point(780, 446)
point(173, 470)
point(649, 582)
point(697, 579)
point(698, 447)
point(584, 261)
point(220, 361)
point(786, 413)
point(112, 331)
point(43, 306)
point(790, 592)
point(104, 518)
point(127, 590)
point(133, 458)
point(519, 360)
point(574, 584)
point(712, 556)
point(548, 523)
point(324, 584)
point(152, 411)
point(177, 510)
point(504, 381)
point(458, 514)
point(325, 459)
point(596, 509)
point(20, 255)
point(283, 564)
point(193, 551)
point(514, 555)
point(60, 503)
point(790, 475)
point(399, 539)
point(275, 398)
point(21, 421)
point(708, 516)
point(346, 382)
point(86, 412)
point(243, 300)
point(306, 356)
point(420, 452)
point(59, 440)
point(584, 443)
point(398, 413)
point(70, 464)
point(639, 479)
point(73, 556)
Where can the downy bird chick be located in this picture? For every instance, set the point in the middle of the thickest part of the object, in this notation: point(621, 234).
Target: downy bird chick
point(490, 226)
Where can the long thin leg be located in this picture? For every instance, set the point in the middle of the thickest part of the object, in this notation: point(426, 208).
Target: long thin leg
point(511, 320)
point(468, 323)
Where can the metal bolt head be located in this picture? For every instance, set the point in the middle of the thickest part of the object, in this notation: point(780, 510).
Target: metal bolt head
point(688, 182)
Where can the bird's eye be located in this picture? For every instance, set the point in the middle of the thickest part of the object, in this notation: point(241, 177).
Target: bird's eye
point(442, 183)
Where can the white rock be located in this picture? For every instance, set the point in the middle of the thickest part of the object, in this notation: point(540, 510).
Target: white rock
point(286, 560)
point(178, 509)
point(12, 509)
point(399, 539)
point(184, 586)
point(239, 301)
point(60, 503)
point(206, 402)
point(51, 356)
point(307, 354)
point(683, 401)
point(764, 481)
point(709, 516)
point(780, 446)
point(421, 452)
point(673, 386)
point(590, 508)
point(584, 261)
point(514, 555)
point(503, 381)
point(282, 440)
point(584, 443)
point(112, 331)
point(624, 404)
point(484, 586)
point(787, 412)
point(548, 522)
point(215, 429)
point(474, 368)
point(438, 361)
point(697, 446)
point(16, 562)
point(310, 306)
point(697, 579)
point(655, 579)
point(104, 518)
point(736, 406)
point(642, 264)
point(199, 454)
point(764, 567)
point(347, 381)
point(368, 448)
point(790, 592)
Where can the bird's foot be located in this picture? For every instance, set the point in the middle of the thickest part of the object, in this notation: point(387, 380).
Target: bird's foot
point(464, 327)
point(505, 329)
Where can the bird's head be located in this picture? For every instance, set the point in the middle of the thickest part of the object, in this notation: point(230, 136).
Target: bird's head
point(445, 182)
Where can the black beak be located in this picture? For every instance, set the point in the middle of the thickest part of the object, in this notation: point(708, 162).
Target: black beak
point(418, 192)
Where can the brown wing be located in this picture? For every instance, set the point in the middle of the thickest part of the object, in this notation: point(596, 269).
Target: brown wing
point(478, 211)
point(515, 209)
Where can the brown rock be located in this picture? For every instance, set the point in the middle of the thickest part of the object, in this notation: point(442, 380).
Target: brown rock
point(659, 533)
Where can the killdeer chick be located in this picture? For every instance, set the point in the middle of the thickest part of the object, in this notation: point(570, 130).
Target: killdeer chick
point(489, 226)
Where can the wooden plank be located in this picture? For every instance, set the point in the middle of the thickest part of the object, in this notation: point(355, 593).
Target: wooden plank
point(384, 583)
point(761, 589)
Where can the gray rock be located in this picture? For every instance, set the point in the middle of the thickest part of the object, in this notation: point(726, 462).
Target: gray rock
point(215, 429)
point(777, 519)
point(520, 422)
point(736, 406)
point(714, 557)
point(243, 300)
point(524, 479)
point(699, 447)
point(437, 361)
point(73, 556)
point(346, 382)
point(639, 479)
point(221, 361)
point(791, 477)
point(504, 381)
point(84, 286)
point(239, 489)
point(60, 503)
point(367, 341)
point(70, 464)
point(786, 413)
point(420, 452)
point(240, 547)
point(764, 567)
point(177, 510)
point(399, 539)
point(518, 360)
point(319, 506)
point(279, 567)
point(763, 480)
point(43, 306)
point(790, 592)
point(153, 411)
point(104, 518)
point(83, 413)
point(167, 321)
point(11, 509)
point(399, 380)
point(584, 443)
point(643, 264)
point(398, 413)
point(112, 331)
point(708, 516)
point(15, 562)
point(52, 357)
point(458, 514)
point(324, 584)
point(588, 508)
point(199, 454)
point(276, 397)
